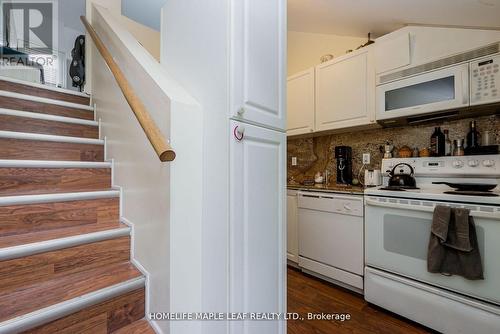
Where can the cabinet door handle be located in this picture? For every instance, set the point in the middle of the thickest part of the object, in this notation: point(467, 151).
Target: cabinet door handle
point(239, 132)
point(241, 111)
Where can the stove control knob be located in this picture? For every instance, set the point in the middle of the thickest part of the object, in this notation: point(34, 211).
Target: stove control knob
point(489, 163)
point(473, 163)
point(458, 164)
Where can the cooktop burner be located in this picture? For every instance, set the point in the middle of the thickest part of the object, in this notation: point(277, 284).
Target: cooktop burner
point(472, 193)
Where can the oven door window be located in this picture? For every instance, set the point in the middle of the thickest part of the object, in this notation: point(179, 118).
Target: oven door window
point(409, 236)
point(439, 90)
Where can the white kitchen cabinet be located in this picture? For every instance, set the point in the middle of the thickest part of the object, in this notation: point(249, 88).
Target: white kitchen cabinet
point(416, 45)
point(345, 91)
point(257, 264)
point(393, 53)
point(300, 103)
point(258, 62)
point(292, 227)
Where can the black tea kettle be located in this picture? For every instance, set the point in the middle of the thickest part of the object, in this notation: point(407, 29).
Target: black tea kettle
point(402, 180)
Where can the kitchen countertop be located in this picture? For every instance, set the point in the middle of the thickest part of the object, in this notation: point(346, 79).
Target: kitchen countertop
point(331, 188)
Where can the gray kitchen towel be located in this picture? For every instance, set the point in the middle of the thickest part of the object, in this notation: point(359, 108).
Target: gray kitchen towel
point(453, 247)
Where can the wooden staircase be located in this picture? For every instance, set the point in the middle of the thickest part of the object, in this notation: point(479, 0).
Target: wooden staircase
point(64, 254)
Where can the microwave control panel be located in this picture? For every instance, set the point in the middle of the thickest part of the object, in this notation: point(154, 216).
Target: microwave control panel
point(485, 80)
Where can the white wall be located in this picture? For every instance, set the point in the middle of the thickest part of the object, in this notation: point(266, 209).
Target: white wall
point(70, 26)
point(161, 200)
point(194, 51)
point(147, 12)
point(305, 49)
point(146, 36)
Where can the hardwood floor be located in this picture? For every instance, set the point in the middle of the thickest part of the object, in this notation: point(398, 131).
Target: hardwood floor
point(307, 294)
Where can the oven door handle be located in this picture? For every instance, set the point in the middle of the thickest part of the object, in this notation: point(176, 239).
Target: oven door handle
point(429, 209)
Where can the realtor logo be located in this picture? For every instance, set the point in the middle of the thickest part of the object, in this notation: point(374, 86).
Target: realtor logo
point(29, 25)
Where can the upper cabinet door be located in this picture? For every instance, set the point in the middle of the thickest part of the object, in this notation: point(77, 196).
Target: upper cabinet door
point(258, 61)
point(300, 103)
point(392, 53)
point(345, 92)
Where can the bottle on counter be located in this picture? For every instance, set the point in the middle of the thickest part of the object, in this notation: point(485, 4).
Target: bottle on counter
point(473, 137)
point(438, 143)
point(448, 146)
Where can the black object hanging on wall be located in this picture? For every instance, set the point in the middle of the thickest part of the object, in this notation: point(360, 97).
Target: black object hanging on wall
point(77, 68)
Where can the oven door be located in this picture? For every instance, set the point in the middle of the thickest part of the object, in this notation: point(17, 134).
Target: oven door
point(424, 93)
point(397, 233)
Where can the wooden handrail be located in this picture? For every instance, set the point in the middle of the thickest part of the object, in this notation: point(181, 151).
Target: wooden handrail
point(160, 145)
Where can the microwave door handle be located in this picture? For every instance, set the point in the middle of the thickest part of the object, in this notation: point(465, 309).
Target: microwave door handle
point(465, 86)
point(429, 209)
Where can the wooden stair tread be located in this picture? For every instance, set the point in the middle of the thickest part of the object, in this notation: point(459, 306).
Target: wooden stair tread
point(45, 108)
point(54, 263)
point(36, 296)
point(32, 237)
point(36, 217)
point(22, 149)
point(42, 181)
point(49, 127)
point(17, 87)
point(114, 313)
point(31, 181)
point(138, 327)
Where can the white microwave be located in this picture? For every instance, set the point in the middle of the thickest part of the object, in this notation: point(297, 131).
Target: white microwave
point(455, 87)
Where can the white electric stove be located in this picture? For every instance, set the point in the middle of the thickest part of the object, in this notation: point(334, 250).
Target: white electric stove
point(397, 231)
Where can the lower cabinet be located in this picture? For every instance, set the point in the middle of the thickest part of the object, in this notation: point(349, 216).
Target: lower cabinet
point(292, 226)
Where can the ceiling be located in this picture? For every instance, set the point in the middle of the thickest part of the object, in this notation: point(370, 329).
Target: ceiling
point(358, 17)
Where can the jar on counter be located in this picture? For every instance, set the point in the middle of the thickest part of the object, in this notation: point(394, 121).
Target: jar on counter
point(458, 148)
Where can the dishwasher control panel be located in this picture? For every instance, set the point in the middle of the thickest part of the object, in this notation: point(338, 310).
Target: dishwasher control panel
point(340, 204)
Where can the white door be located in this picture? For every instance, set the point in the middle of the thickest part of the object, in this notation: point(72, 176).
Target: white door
point(257, 233)
point(345, 92)
point(258, 61)
point(300, 103)
point(292, 226)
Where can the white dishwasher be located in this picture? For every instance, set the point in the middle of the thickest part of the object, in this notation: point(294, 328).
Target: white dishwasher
point(331, 234)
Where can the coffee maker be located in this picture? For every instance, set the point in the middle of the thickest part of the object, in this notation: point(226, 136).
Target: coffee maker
point(343, 155)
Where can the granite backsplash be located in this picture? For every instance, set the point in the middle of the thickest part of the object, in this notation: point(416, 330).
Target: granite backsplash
point(316, 154)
